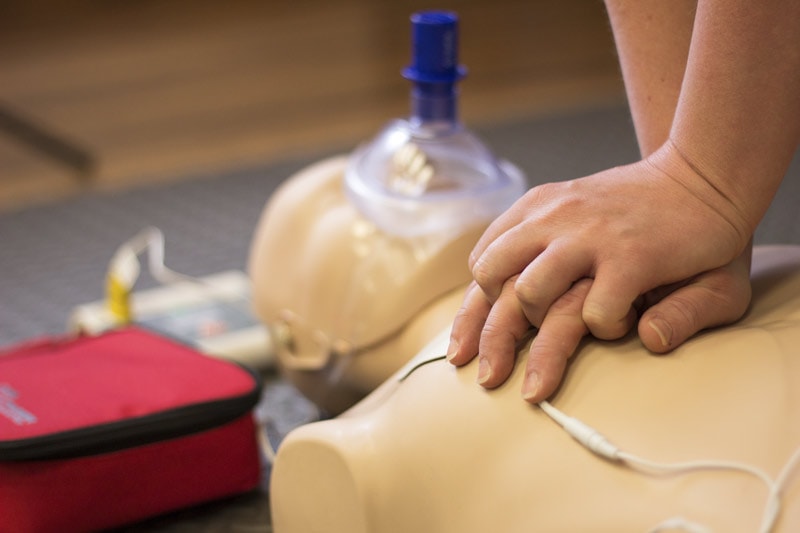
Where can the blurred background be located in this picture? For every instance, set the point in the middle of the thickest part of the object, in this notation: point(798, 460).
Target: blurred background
point(116, 115)
point(110, 94)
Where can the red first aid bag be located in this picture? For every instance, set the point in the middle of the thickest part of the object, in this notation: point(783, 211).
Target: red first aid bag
point(98, 432)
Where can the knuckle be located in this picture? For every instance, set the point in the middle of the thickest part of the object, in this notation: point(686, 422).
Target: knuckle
point(525, 291)
point(544, 192)
point(468, 316)
point(493, 330)
point(685, 311)
point(482, 274)
point(531, 308)
point(594, 317)
point(602, 325)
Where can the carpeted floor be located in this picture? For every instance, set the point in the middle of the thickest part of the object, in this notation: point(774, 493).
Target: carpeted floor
point(54, 257)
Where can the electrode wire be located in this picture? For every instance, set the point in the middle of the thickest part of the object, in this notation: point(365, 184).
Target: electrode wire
point(601, 446)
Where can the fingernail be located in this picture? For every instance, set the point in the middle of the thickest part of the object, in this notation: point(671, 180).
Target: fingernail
point(531, 386)
point(484, 370)
point(663, 330)
point(452, 349)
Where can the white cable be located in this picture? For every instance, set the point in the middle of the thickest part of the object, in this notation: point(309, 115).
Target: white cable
point(150, 239)
point(774, 502)
point(588, 436)
point(593, 440)
point(690, 466)
point(124, 265)
point(155, 257)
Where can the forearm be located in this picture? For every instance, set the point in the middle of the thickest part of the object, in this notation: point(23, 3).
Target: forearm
point(737, 123)
point(652, 38)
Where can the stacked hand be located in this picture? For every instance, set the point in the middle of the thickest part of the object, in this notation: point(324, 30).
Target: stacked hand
point(589, 256)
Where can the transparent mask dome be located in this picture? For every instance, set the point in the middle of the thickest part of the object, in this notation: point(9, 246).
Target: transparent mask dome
point(429, 173)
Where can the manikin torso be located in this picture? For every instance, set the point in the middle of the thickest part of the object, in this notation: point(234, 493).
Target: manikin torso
point(430, 451)
point(347, 304)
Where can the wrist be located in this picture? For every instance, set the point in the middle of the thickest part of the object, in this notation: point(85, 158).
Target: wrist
point(728, 206)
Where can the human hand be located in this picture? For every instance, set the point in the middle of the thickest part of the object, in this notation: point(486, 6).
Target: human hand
point(493, 332)
point(713, 298)
point(631, 229)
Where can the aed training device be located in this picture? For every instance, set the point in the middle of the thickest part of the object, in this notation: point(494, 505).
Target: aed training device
point(212, 313)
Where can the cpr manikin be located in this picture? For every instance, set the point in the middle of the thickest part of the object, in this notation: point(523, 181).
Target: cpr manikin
point(430, 450)
point(359, 260)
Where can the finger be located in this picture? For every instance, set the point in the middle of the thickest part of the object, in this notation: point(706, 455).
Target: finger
point(507, 220)
point(467, 325)
point(506, 256)
point(712, 299)
point(609, 311)
point(554, 344)
point(549, 276)
point(505, 326)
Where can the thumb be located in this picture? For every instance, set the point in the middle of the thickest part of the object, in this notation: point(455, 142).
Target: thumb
point(712, 299)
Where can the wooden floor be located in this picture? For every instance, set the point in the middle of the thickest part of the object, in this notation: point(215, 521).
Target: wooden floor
point(140, 91)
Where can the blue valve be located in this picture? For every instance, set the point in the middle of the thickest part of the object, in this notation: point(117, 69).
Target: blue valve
point(434, 69)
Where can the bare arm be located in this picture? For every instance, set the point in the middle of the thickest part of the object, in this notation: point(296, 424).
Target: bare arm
point(652, 38)
point(737, 122)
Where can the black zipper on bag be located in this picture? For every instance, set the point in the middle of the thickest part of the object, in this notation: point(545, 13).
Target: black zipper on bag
point(132, 432)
